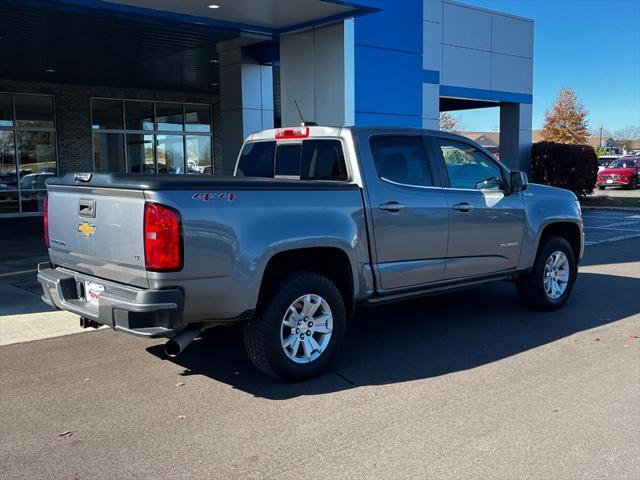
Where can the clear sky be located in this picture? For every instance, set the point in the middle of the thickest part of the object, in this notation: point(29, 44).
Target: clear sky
point(592, 46)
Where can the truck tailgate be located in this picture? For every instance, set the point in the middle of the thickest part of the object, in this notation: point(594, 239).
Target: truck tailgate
point(98, 231)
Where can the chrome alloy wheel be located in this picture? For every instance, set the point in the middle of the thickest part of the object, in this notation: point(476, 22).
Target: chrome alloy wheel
point(306, 328)
point(556, 275)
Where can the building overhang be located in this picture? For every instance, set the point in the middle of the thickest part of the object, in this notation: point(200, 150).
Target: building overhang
point(151, 44)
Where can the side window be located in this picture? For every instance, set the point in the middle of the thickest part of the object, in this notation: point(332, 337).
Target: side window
point(322, 160)
point(470, 168)
point(288, 160)
point(256, 160)
point(401, 159)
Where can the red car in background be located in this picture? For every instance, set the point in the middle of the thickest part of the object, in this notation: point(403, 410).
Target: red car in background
point(623, 172)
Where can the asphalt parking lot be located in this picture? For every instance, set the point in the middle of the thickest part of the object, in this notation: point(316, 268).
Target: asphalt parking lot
point(467, 385)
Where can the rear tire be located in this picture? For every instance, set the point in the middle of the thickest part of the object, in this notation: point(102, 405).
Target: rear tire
point(634, 183)
point(282, 340)
point(550, 282)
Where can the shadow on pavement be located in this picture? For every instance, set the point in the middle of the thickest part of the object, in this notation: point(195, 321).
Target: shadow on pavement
point(424, 338)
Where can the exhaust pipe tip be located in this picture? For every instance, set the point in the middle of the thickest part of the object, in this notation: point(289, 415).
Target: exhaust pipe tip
point(176, 345)
point(172, 348)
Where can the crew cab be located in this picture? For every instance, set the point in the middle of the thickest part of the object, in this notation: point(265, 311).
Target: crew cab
point(622, 172)
point(315, 221)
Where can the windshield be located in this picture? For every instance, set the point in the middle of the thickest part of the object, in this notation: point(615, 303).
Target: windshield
point(623, 164)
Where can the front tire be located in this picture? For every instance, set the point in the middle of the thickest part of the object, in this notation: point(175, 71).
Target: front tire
point(298, 328)
point(550, 282)
point(601, 187)
point(634, 184)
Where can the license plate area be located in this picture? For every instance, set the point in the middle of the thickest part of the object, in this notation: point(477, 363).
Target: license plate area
point(92, 292)
point(609, 180)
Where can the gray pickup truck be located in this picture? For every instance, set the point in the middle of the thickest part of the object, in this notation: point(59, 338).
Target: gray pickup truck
point(315, 221)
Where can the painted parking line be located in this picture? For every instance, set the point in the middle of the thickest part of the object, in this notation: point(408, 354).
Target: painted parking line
point(609, 226)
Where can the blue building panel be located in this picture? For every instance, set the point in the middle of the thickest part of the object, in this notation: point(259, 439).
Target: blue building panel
point(387, 81)
point(377, 119)
point(398, 26)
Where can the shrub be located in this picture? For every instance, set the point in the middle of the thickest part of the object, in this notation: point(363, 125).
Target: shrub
point(572, 167)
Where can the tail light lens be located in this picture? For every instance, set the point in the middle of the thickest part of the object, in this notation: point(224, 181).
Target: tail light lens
point(45, 218)
point(162, 238)
point(292, 132)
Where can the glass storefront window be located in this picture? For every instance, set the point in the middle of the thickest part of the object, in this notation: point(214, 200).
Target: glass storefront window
point(197, 118)
point(138, 115)
point(37, 160)
point(169, 116)
point(140, 153)
point(170, 153)
point(199, 155)
point(106, 114)
point(27, 151)
point(152, 137)
point(6, 110)
point(34, 111)
point(108, 152)
point(8, 174)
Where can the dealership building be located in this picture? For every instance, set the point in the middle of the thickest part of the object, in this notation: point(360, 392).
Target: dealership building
point(174, 86)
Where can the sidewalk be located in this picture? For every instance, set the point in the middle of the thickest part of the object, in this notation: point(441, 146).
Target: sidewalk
point(23, 315)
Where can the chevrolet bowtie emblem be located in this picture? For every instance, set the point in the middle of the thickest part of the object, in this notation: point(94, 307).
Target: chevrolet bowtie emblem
point(86, 229)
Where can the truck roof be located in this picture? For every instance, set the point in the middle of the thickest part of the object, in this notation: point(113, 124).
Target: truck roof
point(321, 131)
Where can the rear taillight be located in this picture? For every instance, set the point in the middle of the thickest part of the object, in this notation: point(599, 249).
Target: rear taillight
point(45, 218)
point(162, 238)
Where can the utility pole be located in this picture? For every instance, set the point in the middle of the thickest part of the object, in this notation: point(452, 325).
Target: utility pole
point(600, 135)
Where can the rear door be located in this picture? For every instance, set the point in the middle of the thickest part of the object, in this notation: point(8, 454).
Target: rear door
point(408, 210)
point(98, 232)
point(485, 221)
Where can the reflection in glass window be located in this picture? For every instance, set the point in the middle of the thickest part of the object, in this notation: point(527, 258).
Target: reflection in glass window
point(8, 174)
point(138, 115)
point(6, 110)
point(108, 152)
point(169, 116)
point(197, 118)
point(106, 114)
point(170, 154)
point(34, 110)
point(37, 160)
point(156, 137)
point(199, 154)
point(469, 168)
point(140, 153)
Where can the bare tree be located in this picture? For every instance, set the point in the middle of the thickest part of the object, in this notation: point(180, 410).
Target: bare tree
point(625, 136)
point(449, 122)
point(566, 120)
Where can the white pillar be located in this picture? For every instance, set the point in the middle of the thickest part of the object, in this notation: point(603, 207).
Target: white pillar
point(515, 135)
point(246, 100)
point(317, 72)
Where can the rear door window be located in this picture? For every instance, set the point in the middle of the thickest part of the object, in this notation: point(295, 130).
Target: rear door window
point(401, 159)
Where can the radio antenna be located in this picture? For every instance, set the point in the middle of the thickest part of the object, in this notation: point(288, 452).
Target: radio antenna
point(299, 112)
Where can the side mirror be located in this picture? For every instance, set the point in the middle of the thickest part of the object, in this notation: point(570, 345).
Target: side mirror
point(519, 181)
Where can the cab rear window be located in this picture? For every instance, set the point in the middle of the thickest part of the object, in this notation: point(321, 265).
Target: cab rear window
point(307, 160)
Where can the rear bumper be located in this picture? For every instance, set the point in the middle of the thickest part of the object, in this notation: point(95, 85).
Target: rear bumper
point(146, 313)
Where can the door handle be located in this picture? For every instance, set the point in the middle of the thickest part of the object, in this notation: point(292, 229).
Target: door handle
point(463, 207)
point(391, 207)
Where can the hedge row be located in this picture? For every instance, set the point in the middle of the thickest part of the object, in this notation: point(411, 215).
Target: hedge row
point(573, 167)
